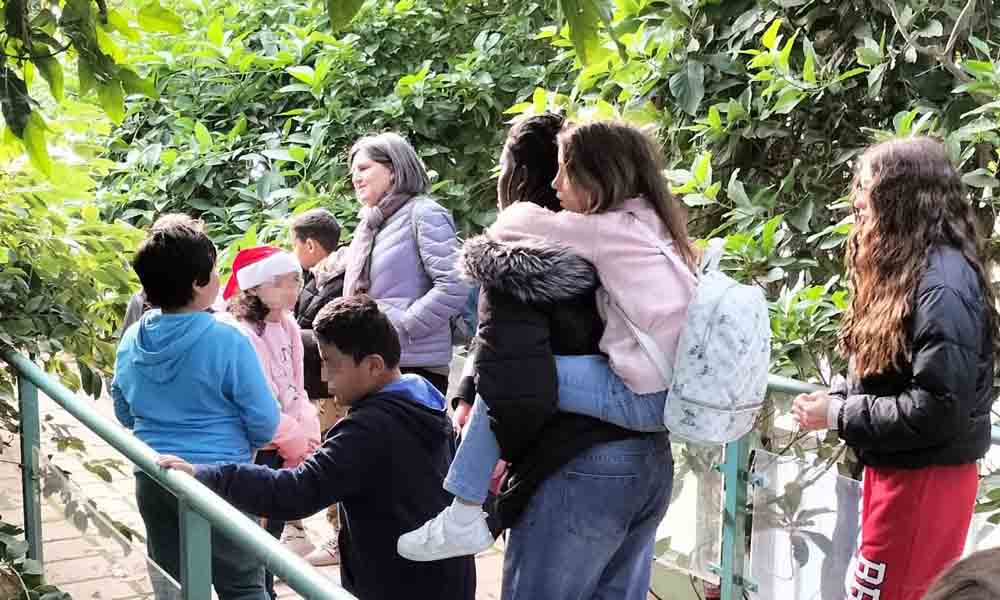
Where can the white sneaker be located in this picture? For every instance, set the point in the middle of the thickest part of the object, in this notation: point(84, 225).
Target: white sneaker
point(328, 554)
point(444, 537)
point(296, 540)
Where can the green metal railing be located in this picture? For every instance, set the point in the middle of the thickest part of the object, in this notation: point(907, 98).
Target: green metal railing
point(200, 510)
point(737, 479)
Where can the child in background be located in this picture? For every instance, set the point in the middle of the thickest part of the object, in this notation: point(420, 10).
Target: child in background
point(315, 235)
point(261, 294)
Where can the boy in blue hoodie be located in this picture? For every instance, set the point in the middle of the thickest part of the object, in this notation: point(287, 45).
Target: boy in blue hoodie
point(384, 463)
point(188, 384)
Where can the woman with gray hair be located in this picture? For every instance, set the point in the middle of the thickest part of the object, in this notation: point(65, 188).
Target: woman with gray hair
point(403, 253)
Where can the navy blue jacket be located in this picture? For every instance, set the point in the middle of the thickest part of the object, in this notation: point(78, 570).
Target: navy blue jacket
point(384, 464)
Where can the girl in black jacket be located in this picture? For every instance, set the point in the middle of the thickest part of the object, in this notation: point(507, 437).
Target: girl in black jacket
point(920, 335)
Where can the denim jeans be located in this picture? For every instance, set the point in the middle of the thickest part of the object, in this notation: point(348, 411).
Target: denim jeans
point(236, 573)
point(588, 533)
point(587, 386)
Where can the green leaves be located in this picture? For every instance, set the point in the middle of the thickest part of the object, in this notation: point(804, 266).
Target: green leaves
point(770, 37)
point(870, 54)
point(153, 17)
point(303, 73)
point(16, 103)
point(342, 11)
point(809, 65)
point(216, 34)
point(33, 138)
point(52, 72)
point(203, 136)
point(112, 99)
point(584, 19)
point(688, 86)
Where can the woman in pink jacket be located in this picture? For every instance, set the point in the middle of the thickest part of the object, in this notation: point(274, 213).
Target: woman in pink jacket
point(621, 218)
point(261, 294)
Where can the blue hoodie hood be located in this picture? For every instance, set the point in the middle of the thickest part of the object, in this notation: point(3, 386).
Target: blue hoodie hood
point(192, 385)
point(163, 342)
point(419, 390)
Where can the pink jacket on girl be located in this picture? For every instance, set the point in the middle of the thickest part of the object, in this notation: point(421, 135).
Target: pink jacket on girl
point(298, 432)
point(636, 278)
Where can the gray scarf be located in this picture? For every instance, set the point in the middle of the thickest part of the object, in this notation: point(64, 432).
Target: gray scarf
point(357, 277)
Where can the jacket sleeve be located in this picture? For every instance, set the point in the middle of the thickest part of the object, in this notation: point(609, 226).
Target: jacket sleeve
point(123, 412)
point(466, 391)
point(515, 370)
point(133, 312)
point(245, 384)
point(338, 470)
point(298, 427)
point(437, 243)
point(938, 400)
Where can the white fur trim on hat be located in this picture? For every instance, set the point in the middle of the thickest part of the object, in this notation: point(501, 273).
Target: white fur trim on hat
point(266, 269)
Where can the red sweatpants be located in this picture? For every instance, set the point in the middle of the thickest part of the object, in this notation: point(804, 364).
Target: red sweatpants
point(913, 526)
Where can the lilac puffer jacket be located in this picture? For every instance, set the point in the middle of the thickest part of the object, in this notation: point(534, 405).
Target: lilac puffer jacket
point(415, 281)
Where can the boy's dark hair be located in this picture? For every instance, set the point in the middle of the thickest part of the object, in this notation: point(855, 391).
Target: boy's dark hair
point(249, 308)
point(320, 225)
point(175, 255)
point(356, 326)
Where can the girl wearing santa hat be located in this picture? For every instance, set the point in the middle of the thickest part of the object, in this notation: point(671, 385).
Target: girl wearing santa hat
point(261, 293)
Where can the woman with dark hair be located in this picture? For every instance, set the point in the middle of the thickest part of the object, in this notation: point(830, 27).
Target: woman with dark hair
point(403, 253)
point(920, 335)
point(600, 544)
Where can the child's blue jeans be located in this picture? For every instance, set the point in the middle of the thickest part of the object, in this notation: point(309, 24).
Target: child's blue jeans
point(587, 386)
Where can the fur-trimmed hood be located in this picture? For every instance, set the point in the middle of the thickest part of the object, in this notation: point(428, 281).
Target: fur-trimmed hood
point(535, 272)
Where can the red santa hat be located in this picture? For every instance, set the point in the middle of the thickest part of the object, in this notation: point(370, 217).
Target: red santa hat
point(254, 266)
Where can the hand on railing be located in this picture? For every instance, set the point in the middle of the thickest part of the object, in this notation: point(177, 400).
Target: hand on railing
point(169, 461)
point(810, 410)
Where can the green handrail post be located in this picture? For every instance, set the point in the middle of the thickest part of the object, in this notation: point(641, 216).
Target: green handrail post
point(734, 517)
point(736, 479)
point(196, 554)
point(27, 397)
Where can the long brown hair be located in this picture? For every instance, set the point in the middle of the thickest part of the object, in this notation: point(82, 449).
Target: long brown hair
point(917, 203)
point(975, 577)
point(616, 161)
point(249, 308)
point(532, 155)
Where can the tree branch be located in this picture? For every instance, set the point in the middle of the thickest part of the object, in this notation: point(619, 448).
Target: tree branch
point(963, 16)
point(943, 57)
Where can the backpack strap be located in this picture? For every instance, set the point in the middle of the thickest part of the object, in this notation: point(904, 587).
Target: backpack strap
point(646, 341)
point(712, 256)
point(650, 348)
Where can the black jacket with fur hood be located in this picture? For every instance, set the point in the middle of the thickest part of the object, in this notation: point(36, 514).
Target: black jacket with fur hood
point(536, 301)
